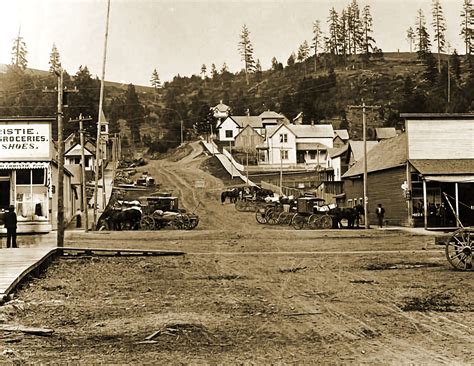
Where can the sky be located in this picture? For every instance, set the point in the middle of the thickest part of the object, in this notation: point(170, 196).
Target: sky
point(178, 36)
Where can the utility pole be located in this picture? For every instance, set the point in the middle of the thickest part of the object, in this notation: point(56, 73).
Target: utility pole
point(60, 209)
point(98, 153)
point(364, 137)
point(83, 169)
point(449, 77)
point(231, 164)
point(60, 217)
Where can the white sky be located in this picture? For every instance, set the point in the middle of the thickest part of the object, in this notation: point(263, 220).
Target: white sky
point(179, 36)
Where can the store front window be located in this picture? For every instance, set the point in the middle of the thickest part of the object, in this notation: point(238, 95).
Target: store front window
point(31, 195)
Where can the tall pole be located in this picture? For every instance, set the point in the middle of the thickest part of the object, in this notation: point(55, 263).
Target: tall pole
point(449, 78)
point(60, 217)
point(366, 199)
point(182, 140)
point(281, 173)
point(99, 124)
point(247, 167)
point(364, 138)
point(83, 174)
point(231, 164)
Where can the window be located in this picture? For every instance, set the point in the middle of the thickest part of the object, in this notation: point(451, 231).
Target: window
point(312, 155)
point(30, 176)
point(283, 137)
point(228, 134)
point(284, 154)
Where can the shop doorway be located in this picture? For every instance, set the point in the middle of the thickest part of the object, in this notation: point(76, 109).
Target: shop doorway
point(4, 193)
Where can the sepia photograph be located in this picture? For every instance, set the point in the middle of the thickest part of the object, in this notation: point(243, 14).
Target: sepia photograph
point(237, 182)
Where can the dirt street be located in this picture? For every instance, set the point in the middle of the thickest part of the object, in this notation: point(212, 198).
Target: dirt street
point(245, 293)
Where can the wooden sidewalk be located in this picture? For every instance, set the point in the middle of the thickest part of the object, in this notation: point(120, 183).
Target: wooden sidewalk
point(17, 263)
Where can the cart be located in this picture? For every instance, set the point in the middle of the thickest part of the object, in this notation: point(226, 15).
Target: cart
point(161, 212)
point(459, 246)
point(313, 213)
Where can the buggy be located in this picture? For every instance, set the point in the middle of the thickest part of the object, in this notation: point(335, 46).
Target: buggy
point(163, 212)
point(312, 212)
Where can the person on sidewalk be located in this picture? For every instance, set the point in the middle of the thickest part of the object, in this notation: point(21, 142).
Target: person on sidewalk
point(380, 214)
point(10, 225)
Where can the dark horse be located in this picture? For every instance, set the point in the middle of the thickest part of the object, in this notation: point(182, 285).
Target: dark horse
point(118, 219)
point(232, 194)
point(351, 214)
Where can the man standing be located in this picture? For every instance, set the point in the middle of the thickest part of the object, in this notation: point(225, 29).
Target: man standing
point(10, 225)
point(380, 214)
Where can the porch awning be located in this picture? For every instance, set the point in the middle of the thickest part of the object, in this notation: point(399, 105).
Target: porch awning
point(450, 178)
point(24, 165)
point(310, 146)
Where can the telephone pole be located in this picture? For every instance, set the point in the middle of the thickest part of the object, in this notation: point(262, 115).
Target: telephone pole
point(83, 169)
point(60, 209)
point(98, 153)
point(364, 138)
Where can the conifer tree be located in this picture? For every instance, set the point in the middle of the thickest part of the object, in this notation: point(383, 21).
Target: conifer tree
point(203, 71)
point(367, 40)
point(246, 52)
point(155, 80)
point(317, 40)
point(291, 60)
point(214, 72)
point(423, 38)
point(19, 52)
point(54, 59)
point(354, 27)
point(332, 41)
point(467, 25)
point(411, 37)
point(439, 27)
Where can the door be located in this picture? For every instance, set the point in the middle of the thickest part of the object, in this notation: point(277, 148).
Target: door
point(4, 192)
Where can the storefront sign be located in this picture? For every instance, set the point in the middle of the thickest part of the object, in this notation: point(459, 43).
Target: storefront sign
point(25, 140)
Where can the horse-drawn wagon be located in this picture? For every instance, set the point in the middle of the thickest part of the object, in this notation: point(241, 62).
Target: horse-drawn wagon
point(163, 212)
point(313, 213)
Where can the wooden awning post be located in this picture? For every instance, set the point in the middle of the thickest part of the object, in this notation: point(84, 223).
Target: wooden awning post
point(425, 204)
point(456, 195)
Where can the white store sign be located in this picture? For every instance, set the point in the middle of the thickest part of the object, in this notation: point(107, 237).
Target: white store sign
point(25, 140)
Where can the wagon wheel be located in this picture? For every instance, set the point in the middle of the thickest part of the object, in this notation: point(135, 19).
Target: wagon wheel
point(314, 222)
point(459, 249)
point(240, 205)
point(298, 222)
point(326, 222)
point(193, 222)
point(260, 217)
point(272, 217)
point(147, 223)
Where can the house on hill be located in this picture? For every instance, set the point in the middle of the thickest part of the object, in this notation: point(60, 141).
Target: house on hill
point(341, 137)
point(412, 177)
point(297, 146)
point(220, 111)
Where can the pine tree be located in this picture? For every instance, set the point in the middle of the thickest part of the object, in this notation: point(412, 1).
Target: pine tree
point(155, 80)
point(19, 52)
point(332, 40)
point(410, 38)
point(354, 26)
point(274, 63)
point(317, 41)
point(368, 40)
point(423, 38)
point(203, 71)
point(214, 72)
point(224, 68)
point(54, 59)
point(303, 52)
point(133, 112)
point(455, 64)
point(439, 26)
point(342, 32)
point(467, 26)
point(246, 52)
point(291, 60)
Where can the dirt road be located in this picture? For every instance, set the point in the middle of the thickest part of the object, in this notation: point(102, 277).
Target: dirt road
point(246, 294)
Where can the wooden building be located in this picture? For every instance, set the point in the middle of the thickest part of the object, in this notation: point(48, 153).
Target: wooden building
point(419, 175)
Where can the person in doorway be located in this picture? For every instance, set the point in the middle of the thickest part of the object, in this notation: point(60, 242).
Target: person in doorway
point(441, 213)
point(10, 225)
point(380, 214)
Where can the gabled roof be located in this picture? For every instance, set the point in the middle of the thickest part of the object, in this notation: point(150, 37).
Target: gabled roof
point(385, 132)
point(75, 150)
point(244, 121)
point(273, 129)
point(228, 118)
point(221, 107)
point(303, 131)
point(338, 151)
point(386, 154)
point(251, 128)
point(357, 148)
point(271, 115)
point(343, 134)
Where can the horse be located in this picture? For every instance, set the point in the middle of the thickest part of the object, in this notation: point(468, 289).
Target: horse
point(118, 219)
point(351, 214)
point(232, 194)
